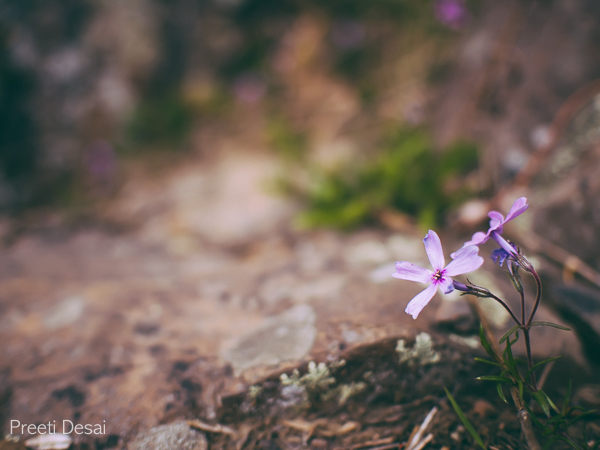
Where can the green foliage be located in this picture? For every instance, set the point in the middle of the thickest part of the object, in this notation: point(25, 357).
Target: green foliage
point(465, 421)
point(549, 324)
point(289, 143)
point(552, 420)
point(405, 174)
point(159, 121)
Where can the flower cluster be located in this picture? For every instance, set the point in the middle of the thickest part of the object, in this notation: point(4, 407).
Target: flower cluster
point(464, 260)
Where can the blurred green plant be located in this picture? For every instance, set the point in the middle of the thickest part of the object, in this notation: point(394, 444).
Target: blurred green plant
point(406, 174)
point(159, 121)
point(289, 143)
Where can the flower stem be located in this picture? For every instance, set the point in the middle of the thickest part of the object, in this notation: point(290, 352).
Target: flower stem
point(525, 421)
point(507, 308)
point(529, 358)
point(538, 296)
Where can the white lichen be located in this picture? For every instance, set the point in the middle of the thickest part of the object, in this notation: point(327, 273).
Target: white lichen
point(421, 353)
point(318, 378)
point(345, 391)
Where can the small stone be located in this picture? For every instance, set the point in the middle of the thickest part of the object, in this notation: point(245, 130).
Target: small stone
point(166, 437)
point(65, 313)
point(456, 435)
point(482, 408)
point(57, 441)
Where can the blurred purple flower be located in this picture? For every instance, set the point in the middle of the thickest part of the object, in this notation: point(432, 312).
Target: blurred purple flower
point(249, 88)
point(101, 162)
point(464, 260)
point(497, 222)
point(451, 13)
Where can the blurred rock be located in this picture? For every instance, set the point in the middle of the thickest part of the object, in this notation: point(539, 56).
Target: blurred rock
point(65, 313)
point(288, 336)
point(454, 310)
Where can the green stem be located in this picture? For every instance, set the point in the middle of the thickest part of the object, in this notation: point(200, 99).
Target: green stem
point(507, 308)
point(529, 358)
point(538, 296)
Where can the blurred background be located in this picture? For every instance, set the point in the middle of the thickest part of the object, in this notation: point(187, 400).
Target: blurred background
point(412, 106)
point(234, 158)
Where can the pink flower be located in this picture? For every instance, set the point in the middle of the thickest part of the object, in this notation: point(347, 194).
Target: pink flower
point(463, 261)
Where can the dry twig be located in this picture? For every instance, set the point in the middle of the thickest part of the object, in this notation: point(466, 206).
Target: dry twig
point(416, 441)
point(203, 426)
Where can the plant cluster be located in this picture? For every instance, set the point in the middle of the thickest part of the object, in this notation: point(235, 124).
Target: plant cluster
point(515, 381)
point(406, 174)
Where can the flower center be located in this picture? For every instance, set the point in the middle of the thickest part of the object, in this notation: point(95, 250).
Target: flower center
point(438, 276)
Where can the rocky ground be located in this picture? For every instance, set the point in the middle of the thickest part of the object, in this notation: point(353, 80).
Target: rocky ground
point(171, 308)
point(203, 292)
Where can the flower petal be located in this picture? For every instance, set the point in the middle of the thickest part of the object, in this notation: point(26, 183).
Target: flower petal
point(420, 301)
point(496, 220)
point(466, 260)
point(519, 207)
point(433, 247)
point(465, 250)
point(411, 272)
point(504, 244)
point(446, 285)
point(477, 239)
point(499, 256)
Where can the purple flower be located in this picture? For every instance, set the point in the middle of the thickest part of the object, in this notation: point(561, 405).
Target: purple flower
point(499, 256)
point(464, 260)
point(451, 13)
point(497, 222)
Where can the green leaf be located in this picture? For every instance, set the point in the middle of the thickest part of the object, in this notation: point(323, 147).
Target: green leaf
point(509, 333)
point(486, 344)
point(509, 360)
point(550, 402)
point(542, 401)
point(515, 277)
point(487, 361)
point(544, 361)
point(571, 442)
point(467, 424)
point(549, 324)
point(494, 378)
point(501, 393)
point(520, 385)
